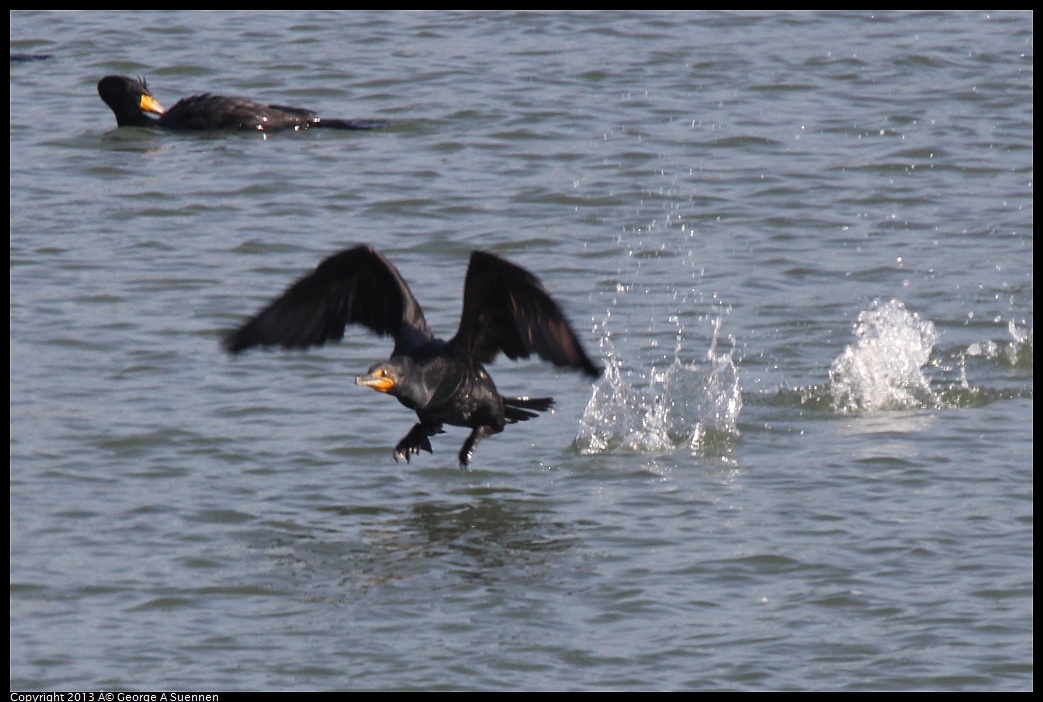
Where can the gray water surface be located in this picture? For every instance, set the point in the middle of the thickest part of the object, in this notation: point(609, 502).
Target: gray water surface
point(800, 244)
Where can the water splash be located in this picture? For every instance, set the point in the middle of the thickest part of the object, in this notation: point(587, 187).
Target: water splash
point(1022, 337)
point(1017, 352)
point(883, 368)
point(895, 364)
point(684, 405)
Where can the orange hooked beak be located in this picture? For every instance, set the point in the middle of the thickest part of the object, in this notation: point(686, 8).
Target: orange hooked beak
point(380, 380)
point(151, 104)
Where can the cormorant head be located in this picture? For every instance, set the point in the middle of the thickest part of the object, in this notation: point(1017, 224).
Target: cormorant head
point(387, 376)
point(129, 99)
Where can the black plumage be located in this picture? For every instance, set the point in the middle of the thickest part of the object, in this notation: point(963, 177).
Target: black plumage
point(134, 104)
point(505, 309)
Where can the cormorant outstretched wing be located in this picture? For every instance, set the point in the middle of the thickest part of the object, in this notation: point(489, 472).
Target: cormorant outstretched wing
point(507, 309)
point(356, 286)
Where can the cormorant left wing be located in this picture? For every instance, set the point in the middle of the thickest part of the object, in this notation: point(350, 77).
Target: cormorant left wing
point(507, 309)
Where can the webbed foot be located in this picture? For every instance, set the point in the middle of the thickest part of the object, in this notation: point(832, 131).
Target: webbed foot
point(416, 440)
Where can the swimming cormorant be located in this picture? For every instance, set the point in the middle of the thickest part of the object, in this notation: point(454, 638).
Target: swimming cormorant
point(133, 104)
point(505, 309)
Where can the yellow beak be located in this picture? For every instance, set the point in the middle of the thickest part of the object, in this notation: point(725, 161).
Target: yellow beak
point(380, 383)
point(151, 104)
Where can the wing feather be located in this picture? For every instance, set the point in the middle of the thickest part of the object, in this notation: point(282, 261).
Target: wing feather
point(355, 286)
point(507, 309)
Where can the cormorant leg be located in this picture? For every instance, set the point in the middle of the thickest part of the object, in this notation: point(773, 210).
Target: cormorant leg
point(479, 433)
point(416, 439)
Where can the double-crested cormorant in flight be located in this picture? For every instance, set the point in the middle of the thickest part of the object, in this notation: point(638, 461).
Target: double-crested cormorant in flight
point(133, 104)
point(505, 309)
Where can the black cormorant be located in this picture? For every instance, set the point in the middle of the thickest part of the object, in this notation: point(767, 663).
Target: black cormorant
point(505, 309)
point(133, 104)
